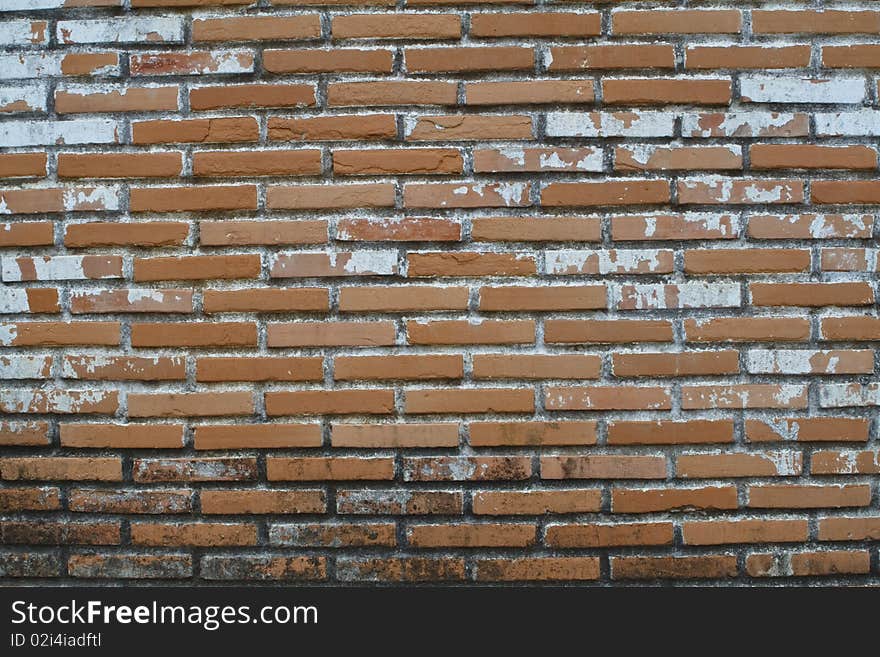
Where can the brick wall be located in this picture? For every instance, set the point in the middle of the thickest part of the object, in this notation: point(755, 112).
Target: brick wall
point(336, 291)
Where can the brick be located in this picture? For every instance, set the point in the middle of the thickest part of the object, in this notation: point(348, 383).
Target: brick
point(314, 60)
point(849, 462)
point(635, 56)
point(148, 234)
point(328, 197)
point(806, 564)
point(315, 334)
point(245, 436)
point(195, 131)
point(704, 363)
point(746, 261)
point(397, 161)
point(652, 500)
point(404, 569)
point(284, 502)
point(196, 267)
point(30, 499)
point(97, 500)
point(805, 497)
point(333, 468)
point(258, 233)
point(467, 127)
point(467, 468)
point(715, 189)
point(402, 299)
point(24, 433)
point(472, 535)
point(668, 91)
point(752, 329)
point(399, 502)
point(398, 26)
point(744, 531)
point(755, 395)
point(804, 429)
point(406, 229)
point(536, 502)
point(477, 400)
point(609, 331)
point(194, 199)
point(263, 568)
point(803, 156)
point(465, 332)
point(814, 22)
point(598, 397)
point(568, 297)
point(810, 226)
point(129, 566)
point(537, 569)
point(330, 402)
point(504, 366)
point(75, 100)
point(394, 435)
point(121, 435)
point(747, 57)
point(602, 193)
point(538, 92)
point(257, 28)
point(750, 123)
point(544, 24)
point(196, 334)
point(256, 163)
point(757, 464)
point(333, 535)
point(131, 301)
point(187, 404)
point(201, 534)
point(849, 529)
point(525, 434)
point(458, 195)
point(603, 467)
point(26, 233)
point(252, 95)
point(151, 470)
point(811, 294)
point(378, 94)
point(682, 567)
point(602, 535)
point(669, 432)
point(414, 367)
point(528, 229)
point(676, 21)
point(368, 127)
point(63, 468)
point(259, 369)
point(465, 263)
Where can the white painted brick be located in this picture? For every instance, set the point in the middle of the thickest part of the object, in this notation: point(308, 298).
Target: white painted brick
point(14, 134)
point(610, 124)
point(24, 66)
point(839, 395)
point(791, 361)
point(47, 268)
point(13, 300)
point(23, 33)
point(168, 29)
point(660, 296)
point(612, 261)
point(734, 124)
point(26, 98)
point(22, 367)
point(861, 123)
point(769, 89)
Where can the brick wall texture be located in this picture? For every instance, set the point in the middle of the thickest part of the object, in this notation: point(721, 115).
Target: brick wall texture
point(339, 291)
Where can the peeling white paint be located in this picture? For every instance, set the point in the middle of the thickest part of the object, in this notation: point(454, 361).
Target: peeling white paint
point(371, 262)
point(840, 395)
point(619, 124)
point(735, 124)
point(787, 463)
point(778, 89)
point(32, 95)
point(858, 123)
point(510, 192)
point(13, 300)
point(8, 334)
point(133, 29)
point(14, 134)
point(22, 367)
